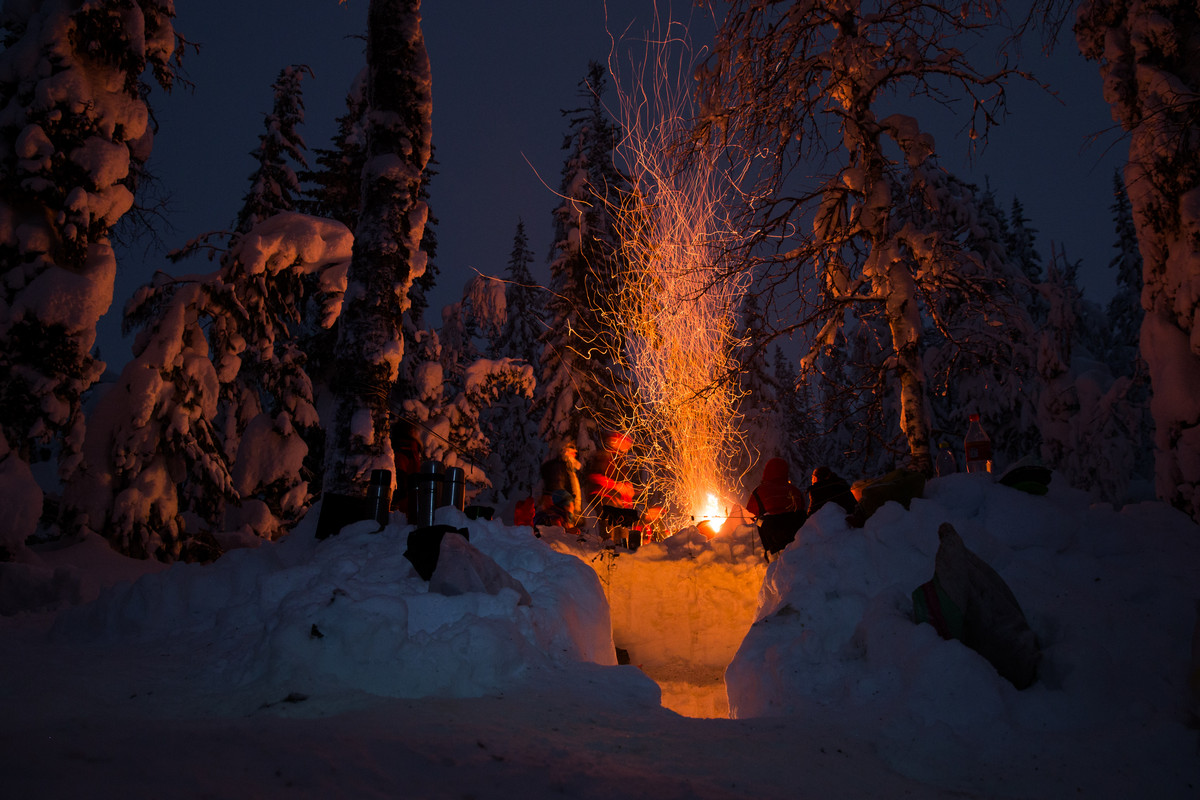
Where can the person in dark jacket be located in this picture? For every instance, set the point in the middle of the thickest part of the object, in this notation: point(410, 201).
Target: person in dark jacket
point(827, 486)
point(779, 507)
point(560, 475)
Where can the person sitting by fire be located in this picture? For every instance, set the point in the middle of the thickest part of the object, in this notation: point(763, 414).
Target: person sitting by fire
point(828, 486)
point(560, 512)
point(561, 475)
point(779, 507)
point(610, 490)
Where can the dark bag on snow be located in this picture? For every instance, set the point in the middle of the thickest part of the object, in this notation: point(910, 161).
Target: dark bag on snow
point(969, 601)
point(777, 531)
point(899, 485)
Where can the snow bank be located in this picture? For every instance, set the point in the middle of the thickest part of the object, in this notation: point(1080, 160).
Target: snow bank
point(680, 607)
point(350, 613)
point(1111, 597)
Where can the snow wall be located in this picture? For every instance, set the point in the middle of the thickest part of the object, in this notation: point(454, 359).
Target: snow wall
point(303, 616)
point(680, 607)
point(1111, 596)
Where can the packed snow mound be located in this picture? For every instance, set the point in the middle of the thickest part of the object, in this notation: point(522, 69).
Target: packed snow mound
point(1110, 595)
point(303, 616)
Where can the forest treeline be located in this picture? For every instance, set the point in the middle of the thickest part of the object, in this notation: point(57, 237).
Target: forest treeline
point(887, 299)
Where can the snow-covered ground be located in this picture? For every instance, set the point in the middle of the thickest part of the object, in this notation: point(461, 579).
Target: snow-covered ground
point(318, 669)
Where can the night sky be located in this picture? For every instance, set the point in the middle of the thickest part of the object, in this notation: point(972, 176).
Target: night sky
point(502, 71)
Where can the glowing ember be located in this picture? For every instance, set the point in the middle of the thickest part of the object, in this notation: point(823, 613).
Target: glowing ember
point(680, 299)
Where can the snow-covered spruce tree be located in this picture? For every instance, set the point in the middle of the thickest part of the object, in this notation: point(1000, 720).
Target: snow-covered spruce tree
point(758, 403)
point(334, 188)
point(1085, 418)
point(387, 253)
point(978, 366)
point(185, 431)
point(1146, 53)
point(1123, 318)
point(453, 386)
point(418, 295)
point(274, 186)
point(1124, 310)
point(75, 134)
point(807, 85)
point(270, 295)
point(579, 381)
point(521, 332)
point(516, 451)
point(1021, 246)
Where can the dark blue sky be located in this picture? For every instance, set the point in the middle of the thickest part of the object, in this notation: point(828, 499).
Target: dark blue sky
point(502, 70)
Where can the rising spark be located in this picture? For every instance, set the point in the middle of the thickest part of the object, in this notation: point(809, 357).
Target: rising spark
point(680, 302)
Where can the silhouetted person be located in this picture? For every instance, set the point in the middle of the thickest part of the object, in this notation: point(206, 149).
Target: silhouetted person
point(827, 486)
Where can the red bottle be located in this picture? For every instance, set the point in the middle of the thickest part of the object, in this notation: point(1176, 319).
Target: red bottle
point(978, 446)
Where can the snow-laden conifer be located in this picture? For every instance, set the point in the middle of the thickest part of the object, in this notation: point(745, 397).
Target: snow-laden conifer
point(387, 253)
point(208, 427)
point(274, 185)
point(579, 379)
point(75, 134)
point(516, 449)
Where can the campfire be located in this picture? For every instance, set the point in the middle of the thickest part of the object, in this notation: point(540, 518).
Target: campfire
point(681, 298)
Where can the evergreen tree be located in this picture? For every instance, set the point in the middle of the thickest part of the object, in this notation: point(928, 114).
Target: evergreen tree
point(274, 186)
point(74, 140)
point(1123, 323)
point(800, 442)
point(517, 452)
point(208, 428)
point(1022, 244)
point(759, 406)
point(1124, 311)
point(1084, 414)
point(523, 324)
point(580, 383)
point(423, 284)
point(387, 255)
point(990, 369)
point(334, 189)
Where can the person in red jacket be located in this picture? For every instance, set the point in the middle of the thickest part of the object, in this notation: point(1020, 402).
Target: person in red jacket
point(779, 506)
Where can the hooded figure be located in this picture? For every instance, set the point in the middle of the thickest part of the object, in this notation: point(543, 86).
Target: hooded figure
point(780, 507)
point(776, 494)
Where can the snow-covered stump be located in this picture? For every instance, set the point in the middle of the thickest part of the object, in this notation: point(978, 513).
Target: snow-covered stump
point(680, 608)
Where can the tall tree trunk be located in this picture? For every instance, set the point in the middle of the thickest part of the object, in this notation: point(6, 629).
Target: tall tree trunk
point(1146, 53)
point(904, 321)
point(387, 257)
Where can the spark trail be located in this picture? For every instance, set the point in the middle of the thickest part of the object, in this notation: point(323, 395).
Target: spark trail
point(681, 297)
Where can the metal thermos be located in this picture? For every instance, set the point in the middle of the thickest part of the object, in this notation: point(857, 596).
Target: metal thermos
point(454, 489)
point(428, 483)
point(379, 496)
